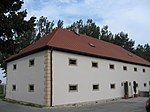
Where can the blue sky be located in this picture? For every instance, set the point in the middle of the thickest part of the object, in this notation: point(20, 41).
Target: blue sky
point(129, 16)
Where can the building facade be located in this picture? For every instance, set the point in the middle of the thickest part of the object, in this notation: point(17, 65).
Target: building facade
point(51, 73)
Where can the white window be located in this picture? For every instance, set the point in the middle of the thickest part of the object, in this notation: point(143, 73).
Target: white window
point(31, 62)
point(95, 64)
point(144, 70)
point(14, 66)
point(135, 69)
point(125, 68)
point(72, 61)
point(13, 87)
point(111, 66)
point(73, 88)
point(95, 87)
point(31, 88)
point(112, 86)
point(145, 84)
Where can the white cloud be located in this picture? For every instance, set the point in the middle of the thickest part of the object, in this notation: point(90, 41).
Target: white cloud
point(130, 16)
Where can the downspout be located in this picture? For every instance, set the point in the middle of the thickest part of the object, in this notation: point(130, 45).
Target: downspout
point(51, 77)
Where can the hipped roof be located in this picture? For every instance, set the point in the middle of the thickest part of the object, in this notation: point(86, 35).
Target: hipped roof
point(69, 41)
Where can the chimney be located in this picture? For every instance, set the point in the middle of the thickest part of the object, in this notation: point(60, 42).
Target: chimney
point(76, 29)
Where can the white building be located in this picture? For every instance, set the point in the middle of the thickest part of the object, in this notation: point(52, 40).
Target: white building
point(65, 68)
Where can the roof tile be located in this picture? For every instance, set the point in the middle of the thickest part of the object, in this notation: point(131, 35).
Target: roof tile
point(68, 40)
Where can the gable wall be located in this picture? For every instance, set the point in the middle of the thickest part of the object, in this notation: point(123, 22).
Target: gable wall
point(25, 75)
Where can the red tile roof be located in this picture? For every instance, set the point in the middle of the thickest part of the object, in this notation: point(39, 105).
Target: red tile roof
point(63, 39)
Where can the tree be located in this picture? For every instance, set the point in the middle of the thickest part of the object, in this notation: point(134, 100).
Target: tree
point(90, 28)
point(60, 23)
point(143, 51)
point(12, 27)
point(43, 27)
point(105, 34)
point(122, 40)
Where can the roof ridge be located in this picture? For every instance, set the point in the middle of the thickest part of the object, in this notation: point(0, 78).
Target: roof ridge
point(54, 32)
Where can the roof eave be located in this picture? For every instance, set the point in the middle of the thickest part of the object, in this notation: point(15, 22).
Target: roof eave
point(27, 53)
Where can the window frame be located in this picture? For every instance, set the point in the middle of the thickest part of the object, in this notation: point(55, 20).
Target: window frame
point(14, 87)
point(111, 66)
point(93, 62)
point(97, 87)
point(125, 68)
point(29, 88)
point(71, 90)
point(135, 69)
point(14, 66)
point(72, 64)
point(145, 84)
point(114, 86)
point(31, 64)
point(144, 71)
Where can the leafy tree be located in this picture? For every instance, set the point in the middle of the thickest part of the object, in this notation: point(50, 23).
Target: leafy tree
point(122, 40)
point(12, 27)
point(43, 27)
point(105, 34)
point(143, 51)
point(90, 28)
point(60, 24)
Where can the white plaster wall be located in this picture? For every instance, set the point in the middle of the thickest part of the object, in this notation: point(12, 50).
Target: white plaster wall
point(25, 75)
point(85, 76)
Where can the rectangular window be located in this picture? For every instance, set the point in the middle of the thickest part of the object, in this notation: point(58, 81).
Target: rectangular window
point(72, 61)
point(31, 62)
point(135, 69)
point(13, 87)
point(31, 88)
point(95, 87)
point(145, 84)
point(122, 84)
point(112, 86)
point(143, 70)
point(14, 66)
point(129, 83)
point(94, 64)
point(125, 68)
point(73, 88)
point(111, 66)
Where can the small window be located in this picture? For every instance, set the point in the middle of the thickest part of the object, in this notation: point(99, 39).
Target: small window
point(72, 62)
point(125, 68)
point(122, 84)
point(31, 87)
point(143, 70)
point(135, 69)
point(111, 66)
point(149, 82)
point(13, 87)
point(95, 87)
point(14, 67)
point(145, 84)
point(112, 86)
point(129, 83)
point(94, 64)
point(73, 88)
point(31, 62)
